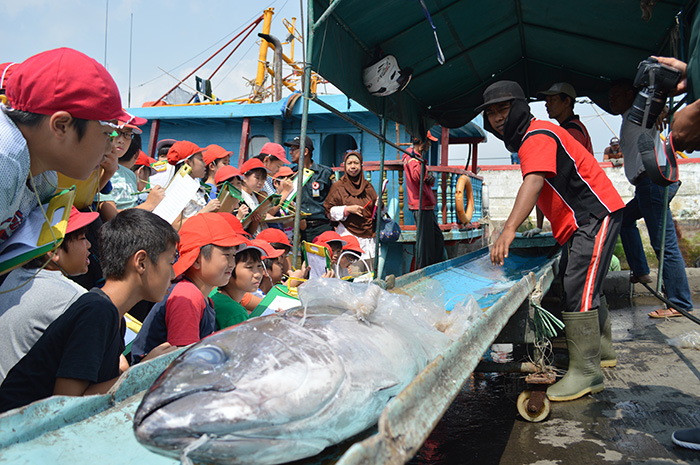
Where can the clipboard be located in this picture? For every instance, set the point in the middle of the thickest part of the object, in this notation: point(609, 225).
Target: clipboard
point(179, 191)
point(278, 298)
point(35, 236)
point(226, 196)
point(269, 202)
point(292, 195)
point(317, 257)
point(133, 326)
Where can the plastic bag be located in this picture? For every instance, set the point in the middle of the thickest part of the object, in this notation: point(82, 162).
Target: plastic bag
point(690, 340)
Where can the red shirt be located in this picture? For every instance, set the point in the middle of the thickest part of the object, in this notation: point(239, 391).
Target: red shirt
point(575, 187)
point(579, 131)
point(184, 310)
point(411, 169)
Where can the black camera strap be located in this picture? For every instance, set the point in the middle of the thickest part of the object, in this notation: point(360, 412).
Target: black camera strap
point(658, 175)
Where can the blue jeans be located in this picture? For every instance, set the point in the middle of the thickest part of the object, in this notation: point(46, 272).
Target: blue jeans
point(648, 204)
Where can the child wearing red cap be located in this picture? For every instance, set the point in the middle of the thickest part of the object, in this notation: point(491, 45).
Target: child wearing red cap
point(255, 175)
point(245, 278)
point(143, 169)
point(34, 295)
point(59, 104)
point(186, 314)
point(215, 156)
point(274, 158)
point(79, 353)
point(126, 145)
point(185, 152)
point(230, 174)
point(334, 240)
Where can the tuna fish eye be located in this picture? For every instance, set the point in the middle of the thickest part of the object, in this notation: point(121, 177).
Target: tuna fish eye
point(211, 355)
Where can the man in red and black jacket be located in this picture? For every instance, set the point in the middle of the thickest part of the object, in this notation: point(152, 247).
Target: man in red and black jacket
point(585, 210)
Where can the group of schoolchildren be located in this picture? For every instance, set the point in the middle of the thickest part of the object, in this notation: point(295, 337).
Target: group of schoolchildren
point(62, 114)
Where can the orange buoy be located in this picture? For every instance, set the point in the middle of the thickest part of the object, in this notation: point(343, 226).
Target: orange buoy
point(464, 186)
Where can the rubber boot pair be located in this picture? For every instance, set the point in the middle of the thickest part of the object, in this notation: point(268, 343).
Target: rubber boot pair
point(584, 343)
point(608, 357)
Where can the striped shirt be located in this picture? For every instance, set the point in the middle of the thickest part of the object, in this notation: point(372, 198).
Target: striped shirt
point(576, 188)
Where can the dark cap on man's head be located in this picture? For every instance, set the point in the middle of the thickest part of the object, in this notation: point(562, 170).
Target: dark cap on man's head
point(614, 141)
point(296, 142)
point(501, 91)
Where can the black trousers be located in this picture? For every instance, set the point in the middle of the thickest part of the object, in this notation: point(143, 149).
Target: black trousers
point(430, 245)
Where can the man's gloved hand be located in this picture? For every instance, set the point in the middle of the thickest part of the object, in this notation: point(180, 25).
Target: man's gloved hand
point(532, 232)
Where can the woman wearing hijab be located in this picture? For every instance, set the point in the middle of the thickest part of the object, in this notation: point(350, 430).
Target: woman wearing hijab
point(350, 203)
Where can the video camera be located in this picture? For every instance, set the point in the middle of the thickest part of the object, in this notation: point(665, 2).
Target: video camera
point(657, 81)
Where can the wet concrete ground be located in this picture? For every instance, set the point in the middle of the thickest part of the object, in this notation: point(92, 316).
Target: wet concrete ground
point(654, 390)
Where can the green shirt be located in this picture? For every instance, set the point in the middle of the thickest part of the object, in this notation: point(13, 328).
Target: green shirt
point(228, 311)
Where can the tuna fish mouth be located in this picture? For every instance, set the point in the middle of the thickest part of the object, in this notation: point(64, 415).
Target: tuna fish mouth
point(149, 407)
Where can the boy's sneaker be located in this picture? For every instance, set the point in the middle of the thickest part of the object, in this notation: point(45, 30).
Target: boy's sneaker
point(688, 438)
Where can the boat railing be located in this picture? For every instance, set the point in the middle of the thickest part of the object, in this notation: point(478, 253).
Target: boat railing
point(445, 187)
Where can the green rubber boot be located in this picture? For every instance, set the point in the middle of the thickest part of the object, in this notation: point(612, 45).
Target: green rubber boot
point(608, 357)
point(583, 341)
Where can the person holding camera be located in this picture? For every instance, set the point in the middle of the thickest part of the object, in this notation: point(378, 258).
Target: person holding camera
point(648, 200)
point(685, 135)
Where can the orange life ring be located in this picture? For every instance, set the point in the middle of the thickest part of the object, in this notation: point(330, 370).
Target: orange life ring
point(464, 185)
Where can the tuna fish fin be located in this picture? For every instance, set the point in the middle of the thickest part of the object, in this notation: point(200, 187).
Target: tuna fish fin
point(196, 444)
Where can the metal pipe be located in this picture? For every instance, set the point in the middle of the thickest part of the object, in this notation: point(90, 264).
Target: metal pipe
point(262, 56)
point(382, 151)
point(325, 15)
point(277, 63)
point(343, 116)
point(662, 248)
point(302, 137)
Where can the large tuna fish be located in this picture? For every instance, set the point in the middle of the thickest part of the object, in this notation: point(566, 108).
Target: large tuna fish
point(285, 386)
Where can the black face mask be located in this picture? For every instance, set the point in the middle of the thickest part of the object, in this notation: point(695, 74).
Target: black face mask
point(515, 127)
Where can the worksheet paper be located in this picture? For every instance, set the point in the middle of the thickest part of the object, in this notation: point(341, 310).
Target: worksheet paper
point(180, 191)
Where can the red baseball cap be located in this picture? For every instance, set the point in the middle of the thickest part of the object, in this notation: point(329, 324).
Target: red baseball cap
point(234, 223)
point(200, 230)
point(284, 172)
point(252, 164)
point(225, 173)
point(5, 73)
point(134, 129)
point(135, 120)
point(265, 248)
point(274, 236)
point(213, 152)
point(181, 151)
point(276, 150)
point(65, 80)
point(353, 245)
point(329, 236)
point(145, 160)
point(78, 219)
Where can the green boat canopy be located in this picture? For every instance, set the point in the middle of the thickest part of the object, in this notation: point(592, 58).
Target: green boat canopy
point(588, 43)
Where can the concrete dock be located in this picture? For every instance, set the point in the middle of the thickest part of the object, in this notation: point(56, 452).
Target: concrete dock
point(653, 391)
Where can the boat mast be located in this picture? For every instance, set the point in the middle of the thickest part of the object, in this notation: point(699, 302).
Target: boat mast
point(258, 91)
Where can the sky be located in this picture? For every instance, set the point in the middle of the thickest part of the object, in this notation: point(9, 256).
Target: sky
point(171, 38)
